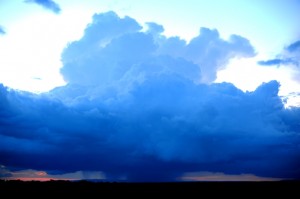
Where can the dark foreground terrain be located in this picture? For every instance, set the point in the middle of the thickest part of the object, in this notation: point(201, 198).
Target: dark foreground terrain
point(242, 189)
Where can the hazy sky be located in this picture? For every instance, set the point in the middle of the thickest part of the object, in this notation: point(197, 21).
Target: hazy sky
point(150, 90)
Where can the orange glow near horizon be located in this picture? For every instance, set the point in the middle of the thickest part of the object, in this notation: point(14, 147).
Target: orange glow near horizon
point(35, 175)
point(41, 173)
point(41, 179)
point(214, 177)
point(31, 179)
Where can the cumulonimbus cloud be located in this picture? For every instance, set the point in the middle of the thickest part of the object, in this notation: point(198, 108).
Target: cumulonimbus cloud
point(135, 106)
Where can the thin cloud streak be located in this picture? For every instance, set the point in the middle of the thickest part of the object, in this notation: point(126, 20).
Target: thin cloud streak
point(2, 31)
point(47, 4)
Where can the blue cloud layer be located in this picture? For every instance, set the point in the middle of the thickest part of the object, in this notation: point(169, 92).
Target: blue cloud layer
point(48, 4)
point(135, 106)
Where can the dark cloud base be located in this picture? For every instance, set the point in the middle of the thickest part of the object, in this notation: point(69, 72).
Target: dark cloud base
point(136, 106)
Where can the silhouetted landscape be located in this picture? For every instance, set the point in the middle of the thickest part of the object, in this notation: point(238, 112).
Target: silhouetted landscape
point(284, 188)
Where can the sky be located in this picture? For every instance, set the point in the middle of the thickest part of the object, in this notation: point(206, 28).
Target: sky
point(150, 90)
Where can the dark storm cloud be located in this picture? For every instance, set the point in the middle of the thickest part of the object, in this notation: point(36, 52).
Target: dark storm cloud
point(48, 4)
point(135, 107)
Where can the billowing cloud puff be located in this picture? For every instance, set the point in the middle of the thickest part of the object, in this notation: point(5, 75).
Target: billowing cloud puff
point(212, 53)
point(135, 107)
point(48, 4)
point(109, 36)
